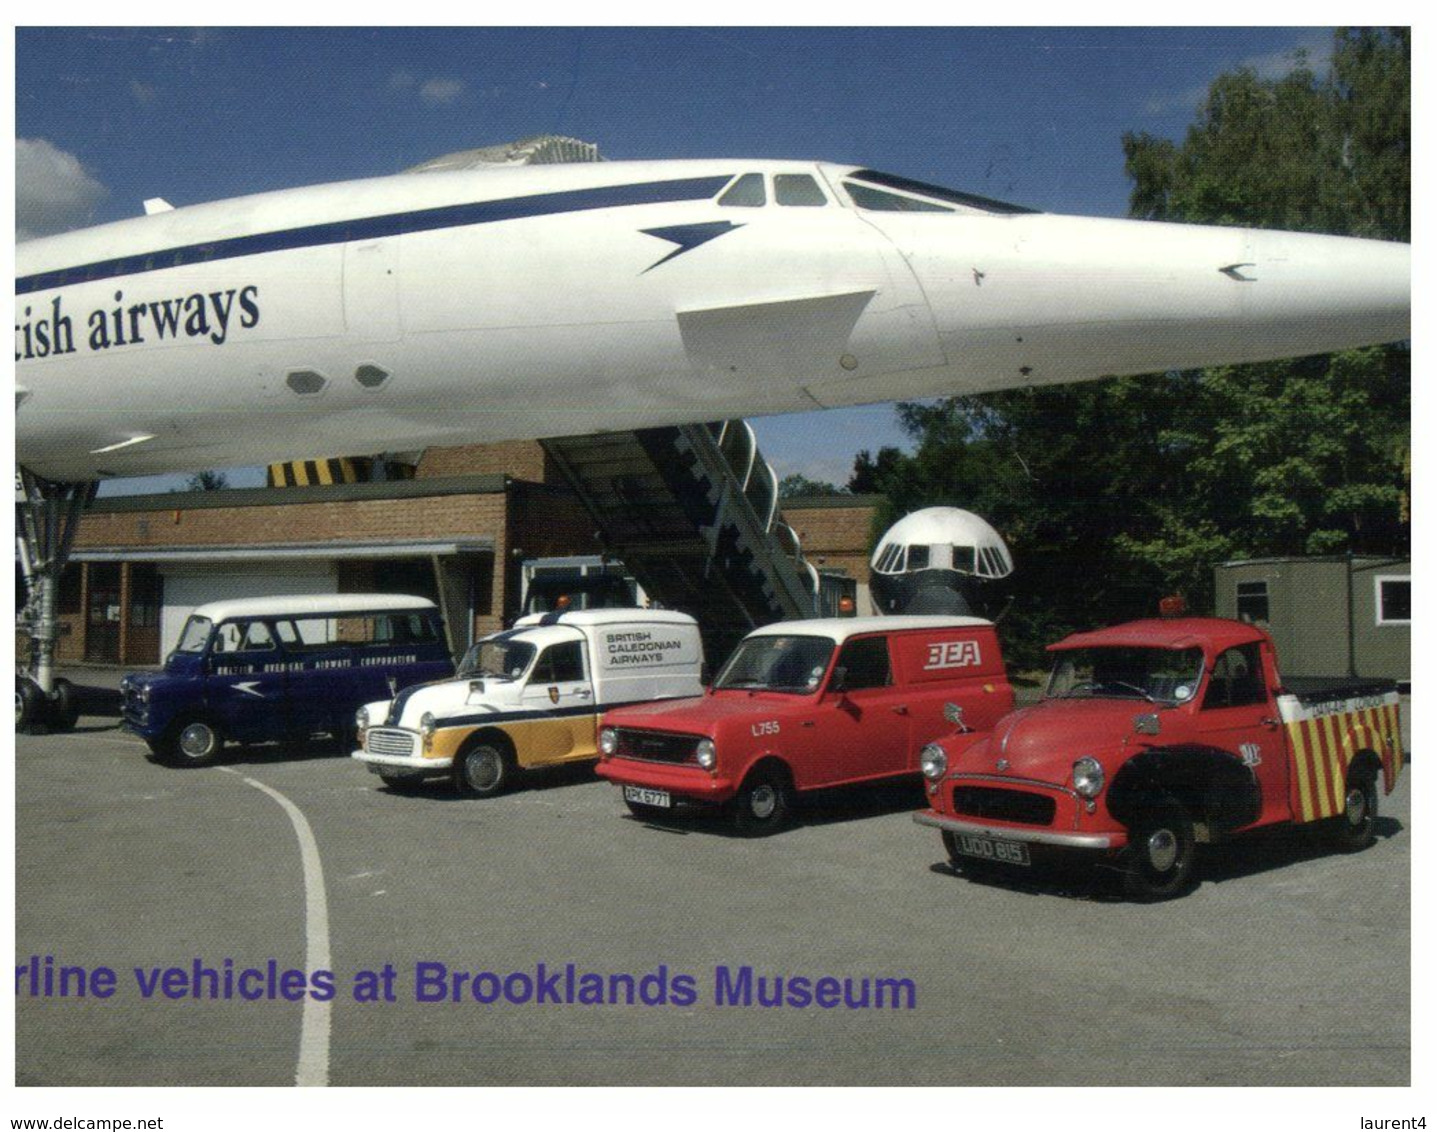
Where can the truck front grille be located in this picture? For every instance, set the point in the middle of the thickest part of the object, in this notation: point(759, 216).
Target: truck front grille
point(391, 741)
point(656, 746)
point(1004, 805)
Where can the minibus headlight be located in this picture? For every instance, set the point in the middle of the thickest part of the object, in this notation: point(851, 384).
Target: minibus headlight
point(608, 741)
point(706, 754)
point(1088, 776)
point(933, 761)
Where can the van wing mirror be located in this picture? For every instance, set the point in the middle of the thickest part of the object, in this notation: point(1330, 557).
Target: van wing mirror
point(953, 713)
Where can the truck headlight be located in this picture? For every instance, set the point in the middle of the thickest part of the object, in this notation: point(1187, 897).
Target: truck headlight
point(706, 754)
point(608, 742)
point(1088, 776)
point(933, 761)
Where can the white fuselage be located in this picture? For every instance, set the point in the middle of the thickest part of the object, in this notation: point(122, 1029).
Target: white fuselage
point(463, 307)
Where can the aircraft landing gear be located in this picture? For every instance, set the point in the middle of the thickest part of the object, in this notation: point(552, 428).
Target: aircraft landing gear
point(47, 515)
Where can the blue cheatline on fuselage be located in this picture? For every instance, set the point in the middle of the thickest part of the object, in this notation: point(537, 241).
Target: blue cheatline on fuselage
point(375, 227)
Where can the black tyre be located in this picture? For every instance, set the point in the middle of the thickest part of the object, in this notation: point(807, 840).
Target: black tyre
point(485, 769)
point(195, 742)
point(763, 804)
point(31, 705)
point(1158, 862)
point(64, 706)
point(157, 751)
point(1356, 827)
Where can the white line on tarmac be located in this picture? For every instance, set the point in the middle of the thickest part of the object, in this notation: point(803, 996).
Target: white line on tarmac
point(313, 1066)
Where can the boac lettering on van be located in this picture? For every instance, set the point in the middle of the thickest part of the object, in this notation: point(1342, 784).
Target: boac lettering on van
point(805, 705)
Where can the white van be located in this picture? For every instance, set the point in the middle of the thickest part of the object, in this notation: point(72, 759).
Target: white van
point(531, 697)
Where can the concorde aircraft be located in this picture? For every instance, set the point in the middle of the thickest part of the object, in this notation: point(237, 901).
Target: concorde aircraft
point(462, 305)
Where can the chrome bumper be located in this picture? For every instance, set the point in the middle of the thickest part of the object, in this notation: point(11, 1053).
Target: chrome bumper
point(414, 763)
point(1008, 833)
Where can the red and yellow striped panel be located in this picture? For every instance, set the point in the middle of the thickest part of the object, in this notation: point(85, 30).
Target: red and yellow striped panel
point(1322, 749)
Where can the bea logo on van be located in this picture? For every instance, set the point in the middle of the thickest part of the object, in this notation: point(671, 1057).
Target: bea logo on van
point(953, 654)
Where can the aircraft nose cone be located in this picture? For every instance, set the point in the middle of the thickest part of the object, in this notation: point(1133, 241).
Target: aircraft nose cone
point(1324, 293)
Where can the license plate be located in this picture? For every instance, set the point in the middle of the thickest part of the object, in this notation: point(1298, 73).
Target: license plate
point(646, 797)
point(992, 849)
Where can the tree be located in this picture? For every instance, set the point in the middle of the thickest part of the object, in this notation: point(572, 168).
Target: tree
point(797, 484)
point(207, 481)
point(1114, 493)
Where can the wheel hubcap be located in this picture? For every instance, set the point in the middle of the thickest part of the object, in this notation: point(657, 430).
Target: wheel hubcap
point(482, 769)
point(1356, 806)
point(1162, 849)
point(763, 801)
point(196, 740)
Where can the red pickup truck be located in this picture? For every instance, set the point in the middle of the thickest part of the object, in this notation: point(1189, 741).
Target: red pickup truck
point(804, 705)
point(1156, 735)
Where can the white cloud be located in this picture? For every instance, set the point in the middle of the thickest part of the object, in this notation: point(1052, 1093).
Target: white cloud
point(53, 192)
point(441, 92)
point(1313, 52)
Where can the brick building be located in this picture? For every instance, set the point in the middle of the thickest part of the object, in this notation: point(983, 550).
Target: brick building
point(458, 533)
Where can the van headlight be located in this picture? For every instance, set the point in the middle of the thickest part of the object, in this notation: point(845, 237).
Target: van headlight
point(427, 724)
point(706, 754)
point(1088, 776)
point(608, 742)
point(933, 761)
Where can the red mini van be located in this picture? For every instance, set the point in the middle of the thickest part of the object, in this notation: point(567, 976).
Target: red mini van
point(805, 705)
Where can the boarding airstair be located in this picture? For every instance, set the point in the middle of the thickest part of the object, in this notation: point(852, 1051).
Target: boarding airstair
point(692, 512)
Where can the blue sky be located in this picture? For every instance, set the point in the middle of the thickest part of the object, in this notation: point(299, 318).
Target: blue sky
point(107, 117)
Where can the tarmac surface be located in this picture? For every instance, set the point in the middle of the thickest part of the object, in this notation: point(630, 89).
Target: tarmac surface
point(1287, 965)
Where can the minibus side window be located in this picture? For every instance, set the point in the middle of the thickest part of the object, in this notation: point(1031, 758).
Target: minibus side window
point(287, 633)
point(315, 632)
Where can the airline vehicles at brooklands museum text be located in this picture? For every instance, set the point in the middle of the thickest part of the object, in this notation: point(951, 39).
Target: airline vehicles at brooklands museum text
point(463, 305)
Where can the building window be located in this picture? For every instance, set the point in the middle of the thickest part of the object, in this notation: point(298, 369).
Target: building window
point(1252, 602)
point(1394, 599)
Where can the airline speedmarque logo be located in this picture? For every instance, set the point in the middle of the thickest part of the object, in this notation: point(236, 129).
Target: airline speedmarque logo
point(209, 315)
point(688, 237)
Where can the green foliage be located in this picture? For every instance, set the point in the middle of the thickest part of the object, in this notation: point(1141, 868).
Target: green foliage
point(795, 485)
point(207, 481)
point(1114, 493)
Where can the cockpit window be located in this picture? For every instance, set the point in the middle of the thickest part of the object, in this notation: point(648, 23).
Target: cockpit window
point(937, 192)
point(797, 189)
point(876, 200)
point(746, 192)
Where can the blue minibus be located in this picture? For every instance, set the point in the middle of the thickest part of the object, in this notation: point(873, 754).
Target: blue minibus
point(257, 670)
